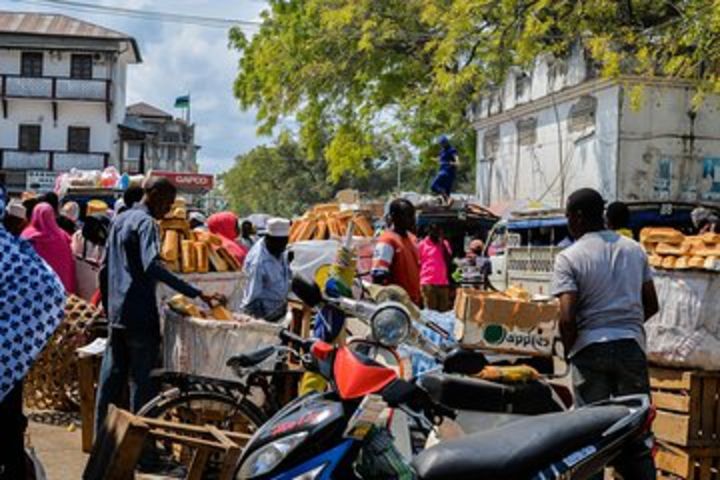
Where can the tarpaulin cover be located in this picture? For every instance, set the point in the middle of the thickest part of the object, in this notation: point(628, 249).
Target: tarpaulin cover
point(686, 331)
point(203, 347)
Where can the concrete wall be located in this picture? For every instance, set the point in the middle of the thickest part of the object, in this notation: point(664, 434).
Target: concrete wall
point(666, 152)
point(558, 159)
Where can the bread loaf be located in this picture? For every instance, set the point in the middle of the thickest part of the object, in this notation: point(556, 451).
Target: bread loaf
point(668, 249)
point(322, 230)
point(221, 313)
point(661, 235)
point(170, 247)
point(189, 264)
point(697, 262)
point(668, 262)
point(231, 262)
point(712, 263)
point(655, 260)
point(201, 256)
point(217, 261)
point(682, 263)
point(710, 238)
point(363, 225)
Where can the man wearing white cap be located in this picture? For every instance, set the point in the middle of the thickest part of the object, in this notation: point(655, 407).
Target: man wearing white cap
point(268, 273)
point(15, 217)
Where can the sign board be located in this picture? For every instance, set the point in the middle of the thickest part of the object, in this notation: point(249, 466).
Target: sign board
point(187, 182)
point(40, 181)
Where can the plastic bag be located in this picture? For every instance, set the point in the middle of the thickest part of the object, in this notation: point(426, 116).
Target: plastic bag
point(380, 460)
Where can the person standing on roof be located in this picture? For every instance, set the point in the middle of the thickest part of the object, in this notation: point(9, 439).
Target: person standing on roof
point(443, 183)
point(606, 293)
point(396, 260)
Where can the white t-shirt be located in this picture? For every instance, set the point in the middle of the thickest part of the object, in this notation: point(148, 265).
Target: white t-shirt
point(607, 271)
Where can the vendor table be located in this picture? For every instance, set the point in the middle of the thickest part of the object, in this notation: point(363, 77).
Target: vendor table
point(686, 331)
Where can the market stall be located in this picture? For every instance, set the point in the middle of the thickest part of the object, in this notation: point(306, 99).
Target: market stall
point(683, 342)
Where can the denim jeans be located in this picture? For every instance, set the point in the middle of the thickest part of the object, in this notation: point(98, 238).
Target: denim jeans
point(12, 439)
point(129, 356)
point(614, 369)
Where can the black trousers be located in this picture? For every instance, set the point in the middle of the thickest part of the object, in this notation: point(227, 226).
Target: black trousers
point(12, 439)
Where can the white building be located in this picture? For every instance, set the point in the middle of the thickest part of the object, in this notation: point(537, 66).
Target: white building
point(62, 95)
point(152, 139)
point(547, 132)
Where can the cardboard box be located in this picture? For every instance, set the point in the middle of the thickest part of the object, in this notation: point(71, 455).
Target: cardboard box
point(496, 322)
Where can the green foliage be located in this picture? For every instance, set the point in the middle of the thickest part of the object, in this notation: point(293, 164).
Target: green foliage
point(280, 180)
point(344, 69)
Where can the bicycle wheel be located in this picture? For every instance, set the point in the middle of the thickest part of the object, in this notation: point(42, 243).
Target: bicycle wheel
point(202, 408)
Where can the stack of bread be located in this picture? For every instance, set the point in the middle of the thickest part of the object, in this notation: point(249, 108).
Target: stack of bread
point(192, 251)
point(182, 305)
point(668, 248)
point(327, 221)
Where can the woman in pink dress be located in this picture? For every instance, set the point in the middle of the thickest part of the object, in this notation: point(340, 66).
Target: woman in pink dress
point(52, 244)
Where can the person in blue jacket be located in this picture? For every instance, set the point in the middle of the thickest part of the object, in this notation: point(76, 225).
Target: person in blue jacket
point(443, 183)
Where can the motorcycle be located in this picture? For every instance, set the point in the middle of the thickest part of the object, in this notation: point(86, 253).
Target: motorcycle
point(333, 435)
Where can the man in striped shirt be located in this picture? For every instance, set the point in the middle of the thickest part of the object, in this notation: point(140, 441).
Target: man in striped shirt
point(396, 260)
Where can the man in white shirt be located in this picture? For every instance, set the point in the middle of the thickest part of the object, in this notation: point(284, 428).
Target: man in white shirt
point(606, 293)
point(268, 273)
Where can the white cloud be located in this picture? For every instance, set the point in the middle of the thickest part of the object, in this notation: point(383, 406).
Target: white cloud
point(182, 58)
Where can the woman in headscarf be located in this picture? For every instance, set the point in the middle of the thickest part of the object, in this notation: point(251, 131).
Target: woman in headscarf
point(52, 244)
point(31, 307)
point(225, 225)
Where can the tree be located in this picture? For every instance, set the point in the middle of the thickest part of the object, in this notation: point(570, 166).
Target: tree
point(349, 71)
point(279, 179)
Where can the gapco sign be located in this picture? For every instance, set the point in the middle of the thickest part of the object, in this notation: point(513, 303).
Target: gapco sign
point(188, 182)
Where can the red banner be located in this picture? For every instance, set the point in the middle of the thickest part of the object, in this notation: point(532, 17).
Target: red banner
point(188, 182)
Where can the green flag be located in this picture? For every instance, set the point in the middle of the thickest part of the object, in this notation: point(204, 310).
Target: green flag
point(182, 102)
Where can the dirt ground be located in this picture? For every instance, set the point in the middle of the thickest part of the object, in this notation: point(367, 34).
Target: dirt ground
point(59, 451)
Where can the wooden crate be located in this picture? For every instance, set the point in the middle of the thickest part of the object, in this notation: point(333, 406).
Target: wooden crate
point(687, 463)
point(688, 406)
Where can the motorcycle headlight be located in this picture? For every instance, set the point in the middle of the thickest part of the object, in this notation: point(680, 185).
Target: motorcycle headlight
point(390, 324)
point(268, 457)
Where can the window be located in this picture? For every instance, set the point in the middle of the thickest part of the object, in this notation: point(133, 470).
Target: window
point(582, 115)
point(81, 66)
point(522, 87)
point(527, 131)
point(78, 139)
point(31, 64)
point(491, 142)
point(29, 138)
point(133, 151)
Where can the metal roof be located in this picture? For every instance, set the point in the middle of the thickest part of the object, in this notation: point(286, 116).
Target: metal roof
point(142, 109)
point(58, 25)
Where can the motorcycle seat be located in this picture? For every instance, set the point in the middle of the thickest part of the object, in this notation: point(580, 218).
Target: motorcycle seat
point(518, 450)
point(251, 359)
point(465, 393)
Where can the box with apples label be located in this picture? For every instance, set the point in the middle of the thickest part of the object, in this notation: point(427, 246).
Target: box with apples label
point(506, 322)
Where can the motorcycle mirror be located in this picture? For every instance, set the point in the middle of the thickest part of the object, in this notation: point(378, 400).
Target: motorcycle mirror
point(306, 291)
point(467, 362)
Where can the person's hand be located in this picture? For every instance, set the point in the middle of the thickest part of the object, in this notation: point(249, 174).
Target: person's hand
point(213, 300)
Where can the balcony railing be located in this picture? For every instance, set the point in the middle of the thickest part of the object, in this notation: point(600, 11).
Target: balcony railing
point(55, 160)
point(55, 88)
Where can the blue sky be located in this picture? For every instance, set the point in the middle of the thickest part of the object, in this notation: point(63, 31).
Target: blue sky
point(180, 58)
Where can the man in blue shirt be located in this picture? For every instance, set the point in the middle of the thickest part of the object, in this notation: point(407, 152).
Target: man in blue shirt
point(443, 183)
point(134, 269)
point(268, 273)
